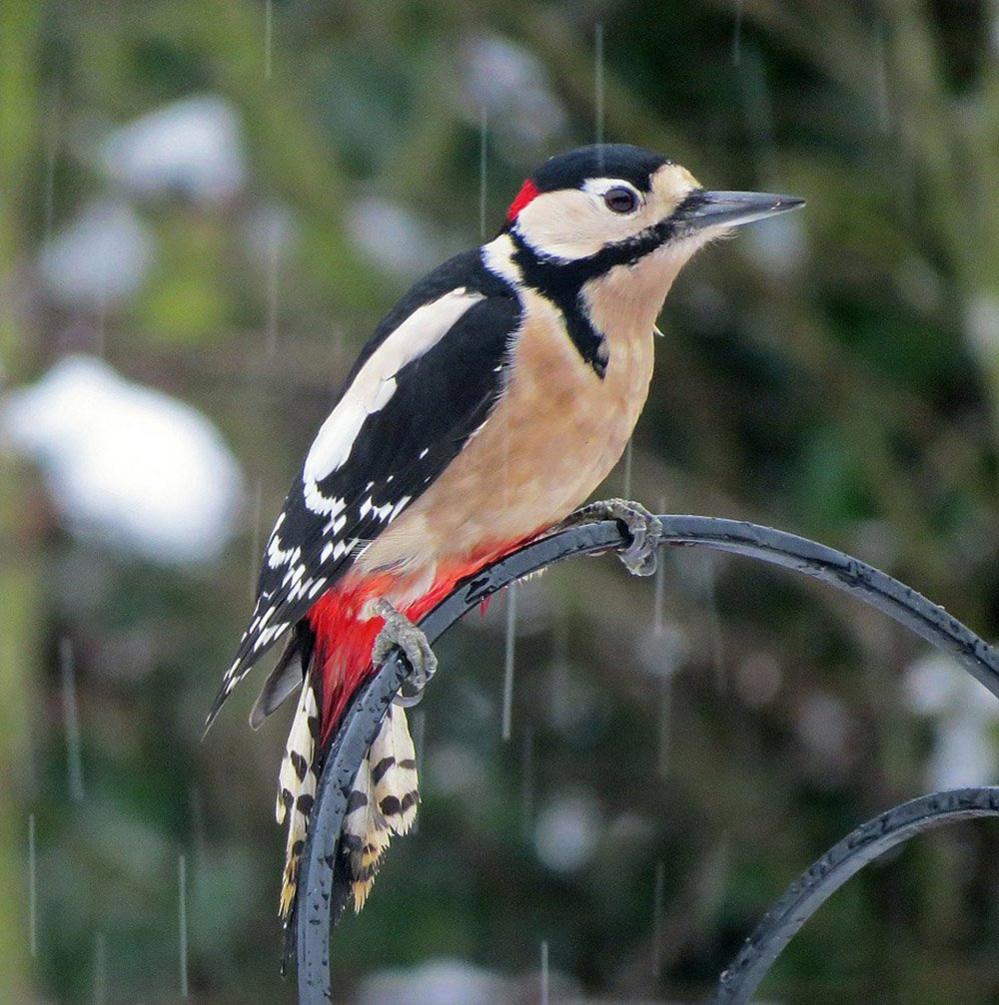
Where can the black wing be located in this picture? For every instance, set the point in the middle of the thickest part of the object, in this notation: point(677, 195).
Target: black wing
point(440, 398)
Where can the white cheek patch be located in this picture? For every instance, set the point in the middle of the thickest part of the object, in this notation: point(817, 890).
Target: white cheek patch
point(575, 223)
point(374, 386)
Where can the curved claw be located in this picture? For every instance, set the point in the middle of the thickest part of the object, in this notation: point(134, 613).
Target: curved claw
point(399, 631)
point(641, 556)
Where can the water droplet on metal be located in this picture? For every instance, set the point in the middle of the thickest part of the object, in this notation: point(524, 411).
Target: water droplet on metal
point(544, 974)
point(268, 36)
point(100, 970)
point(737, 33)
point(598, 85)
point(659, 593)
point(256, 517)
point(483, 136)
point(714, 622)
point(665, 708)
point(52, 120)
point(511, 639)
point(32, 888)
point(757, 108)
point(880, 63)
point(198, 838)
point(274, 245)
point(71, 720)
point(527, 781)
point(182, 922)
point(658, 898)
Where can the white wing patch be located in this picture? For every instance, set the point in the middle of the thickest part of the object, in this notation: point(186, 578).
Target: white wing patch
point(341, 526)
point(372, 388)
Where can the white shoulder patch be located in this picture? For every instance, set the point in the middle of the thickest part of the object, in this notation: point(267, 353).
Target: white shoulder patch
point(374, 385)
point(497, 256)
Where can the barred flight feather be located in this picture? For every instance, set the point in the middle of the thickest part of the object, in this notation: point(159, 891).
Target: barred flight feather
point(297, 789)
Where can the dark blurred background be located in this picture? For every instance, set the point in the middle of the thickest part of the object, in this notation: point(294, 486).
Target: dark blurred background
point(204, 210)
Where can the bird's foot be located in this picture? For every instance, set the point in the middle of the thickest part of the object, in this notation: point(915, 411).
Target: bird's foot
point(641, 555)
point(399, 631)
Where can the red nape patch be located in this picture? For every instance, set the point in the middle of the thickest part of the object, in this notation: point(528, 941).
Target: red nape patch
point(527, 192)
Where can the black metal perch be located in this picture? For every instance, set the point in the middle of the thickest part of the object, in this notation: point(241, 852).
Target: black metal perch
point(826, 875)
point(315, 909)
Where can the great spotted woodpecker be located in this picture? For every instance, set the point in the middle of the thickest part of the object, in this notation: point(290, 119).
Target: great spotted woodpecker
point(490, 402)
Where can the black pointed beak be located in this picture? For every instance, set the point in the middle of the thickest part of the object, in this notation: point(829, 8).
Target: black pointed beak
point(731, 209)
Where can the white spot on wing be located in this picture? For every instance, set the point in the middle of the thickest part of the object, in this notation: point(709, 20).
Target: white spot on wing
point(276, 556)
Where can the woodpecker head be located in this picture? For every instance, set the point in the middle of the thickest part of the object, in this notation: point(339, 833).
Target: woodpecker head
point(613, 204)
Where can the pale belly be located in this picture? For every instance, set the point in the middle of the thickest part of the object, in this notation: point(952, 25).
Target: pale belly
point(556, 434)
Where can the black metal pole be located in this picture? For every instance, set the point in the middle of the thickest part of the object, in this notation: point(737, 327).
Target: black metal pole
point(826, 875)
point(315, 907)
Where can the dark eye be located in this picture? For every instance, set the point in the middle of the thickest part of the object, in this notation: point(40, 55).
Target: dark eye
point(620, 199)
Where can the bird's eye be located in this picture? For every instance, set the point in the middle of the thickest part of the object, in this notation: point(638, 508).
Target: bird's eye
point(621, 199)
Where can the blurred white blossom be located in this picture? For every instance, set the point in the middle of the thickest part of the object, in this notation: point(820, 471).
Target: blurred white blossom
point(270, 231)
point(455, 768)
point(511, 85)
point(192, 147)
point(99, 260)
point(824, 726)
point(758, 679)
point(777, 244)
point(438, 982)
point(127, 464)
point(393, 237)
point(568, 831)
point(981, 325)
point(964, 714)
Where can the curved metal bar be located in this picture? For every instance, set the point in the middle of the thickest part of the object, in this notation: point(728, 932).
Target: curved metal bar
point(825, 876)
point(315, 908)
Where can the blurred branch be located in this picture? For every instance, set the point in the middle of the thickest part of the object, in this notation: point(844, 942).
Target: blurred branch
point(843, 861)
point(20, 115)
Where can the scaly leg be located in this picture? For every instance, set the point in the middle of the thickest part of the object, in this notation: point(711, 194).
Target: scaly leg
point(400, 631)
point(641, 555)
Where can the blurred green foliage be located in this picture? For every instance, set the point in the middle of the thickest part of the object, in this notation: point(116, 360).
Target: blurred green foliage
point(835, 373)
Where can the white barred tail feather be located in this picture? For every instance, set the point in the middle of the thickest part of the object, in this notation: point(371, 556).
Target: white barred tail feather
point(382, 800)
point(297, 788)
point(365, 835)
point(393, 771)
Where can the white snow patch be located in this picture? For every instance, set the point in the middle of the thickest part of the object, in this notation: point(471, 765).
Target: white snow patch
point(125, 463)
point(568, 831)
point(964, 715)
point(395, 238)
point(100, 260)
point(193, 147)
point(437, 982)
point(513, 86)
